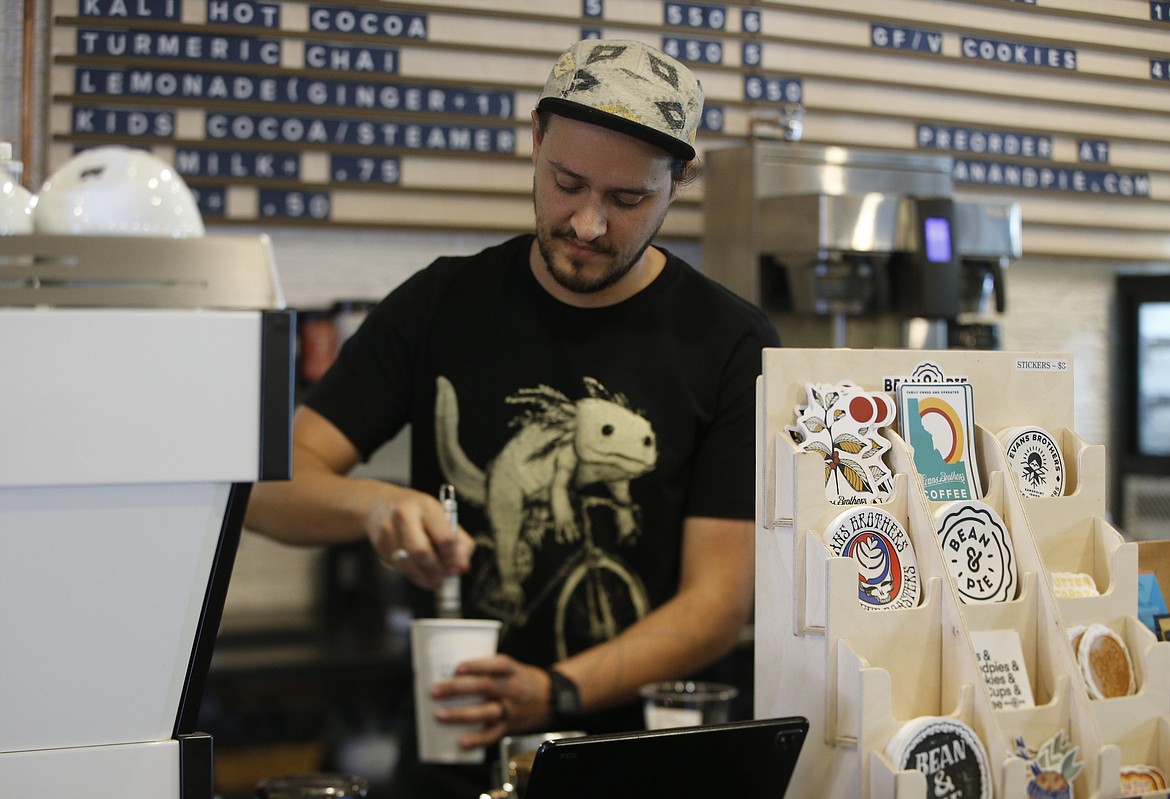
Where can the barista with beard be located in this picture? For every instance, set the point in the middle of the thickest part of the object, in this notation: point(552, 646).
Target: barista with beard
point(592, 399)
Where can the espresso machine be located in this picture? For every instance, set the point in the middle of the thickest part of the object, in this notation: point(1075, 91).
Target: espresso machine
point(851, 247)
point(146, 384)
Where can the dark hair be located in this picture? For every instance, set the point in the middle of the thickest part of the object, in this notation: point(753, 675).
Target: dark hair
point(682, 173)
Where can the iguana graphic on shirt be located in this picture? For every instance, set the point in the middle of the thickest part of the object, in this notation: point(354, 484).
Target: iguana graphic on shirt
point(560, 446)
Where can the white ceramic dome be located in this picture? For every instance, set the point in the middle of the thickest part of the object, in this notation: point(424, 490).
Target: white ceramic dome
point(115, 190)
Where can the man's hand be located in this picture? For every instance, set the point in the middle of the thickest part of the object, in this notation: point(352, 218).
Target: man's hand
point(409, 530)
point(323, 505)
point(515, 698)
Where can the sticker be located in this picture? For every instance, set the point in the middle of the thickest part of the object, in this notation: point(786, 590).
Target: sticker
point(948, 752)
point(842, 424)
point(887, 569)
point(924, 372)
point(1105, 663)
point(938, 422)
point(1073, 585)
point(1036, 461)
point(978, 551)
point(1052, 768)
point(1138, 780)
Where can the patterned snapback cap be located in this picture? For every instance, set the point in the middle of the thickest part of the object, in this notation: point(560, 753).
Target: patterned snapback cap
point(629, 87)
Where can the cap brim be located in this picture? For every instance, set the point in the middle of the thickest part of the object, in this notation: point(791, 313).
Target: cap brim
point(584, 113)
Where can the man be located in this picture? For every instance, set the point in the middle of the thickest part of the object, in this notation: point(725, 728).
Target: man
point(592, 400)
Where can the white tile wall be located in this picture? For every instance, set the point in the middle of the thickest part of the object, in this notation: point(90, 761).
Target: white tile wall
point(1066, 306)
point(319, 266)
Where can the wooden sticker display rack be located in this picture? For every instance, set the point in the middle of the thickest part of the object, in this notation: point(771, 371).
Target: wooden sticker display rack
point(859, 675)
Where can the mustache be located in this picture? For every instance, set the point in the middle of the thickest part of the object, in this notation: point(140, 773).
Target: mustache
point(568, 235)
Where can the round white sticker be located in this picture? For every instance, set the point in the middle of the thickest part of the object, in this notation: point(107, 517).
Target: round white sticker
point(1036, 461)
point(887, 569)
point(977, 551)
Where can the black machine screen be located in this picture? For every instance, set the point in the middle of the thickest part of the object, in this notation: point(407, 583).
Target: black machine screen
point(938, 240)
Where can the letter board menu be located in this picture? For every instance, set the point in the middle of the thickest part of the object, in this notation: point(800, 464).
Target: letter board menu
point(417, 114)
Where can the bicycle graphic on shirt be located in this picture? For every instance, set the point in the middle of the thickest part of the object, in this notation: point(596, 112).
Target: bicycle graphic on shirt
point(593, 590)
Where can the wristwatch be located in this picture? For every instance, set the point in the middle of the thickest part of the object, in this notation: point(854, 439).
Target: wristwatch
point(564, 699)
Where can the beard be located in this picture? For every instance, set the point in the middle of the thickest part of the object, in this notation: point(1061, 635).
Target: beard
point(571, 274)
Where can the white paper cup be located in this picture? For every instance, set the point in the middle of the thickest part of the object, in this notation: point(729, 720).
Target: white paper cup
point(437, 647)
point(686, 703)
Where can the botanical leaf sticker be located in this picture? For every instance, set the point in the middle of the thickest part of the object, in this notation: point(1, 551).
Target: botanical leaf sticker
point(849, 444)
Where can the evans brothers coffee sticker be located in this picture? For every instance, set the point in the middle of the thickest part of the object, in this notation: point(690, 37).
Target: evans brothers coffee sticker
point(887, 569)
point(938, 422)
point(1036, 461)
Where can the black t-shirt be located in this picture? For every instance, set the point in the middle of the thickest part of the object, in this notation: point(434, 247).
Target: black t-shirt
point(577, 439)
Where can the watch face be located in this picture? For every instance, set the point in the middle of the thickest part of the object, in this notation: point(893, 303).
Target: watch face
point(566, 700)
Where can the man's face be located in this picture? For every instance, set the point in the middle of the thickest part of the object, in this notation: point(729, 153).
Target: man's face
point(600, 198)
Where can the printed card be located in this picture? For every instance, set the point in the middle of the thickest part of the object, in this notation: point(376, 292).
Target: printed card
point(1001, 661)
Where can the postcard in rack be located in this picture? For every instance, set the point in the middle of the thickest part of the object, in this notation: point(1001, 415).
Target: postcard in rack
point(938, 422)
point(1005, 672)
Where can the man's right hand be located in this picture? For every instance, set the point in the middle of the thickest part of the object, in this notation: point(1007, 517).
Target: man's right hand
point(410, 531)
point(323, 505)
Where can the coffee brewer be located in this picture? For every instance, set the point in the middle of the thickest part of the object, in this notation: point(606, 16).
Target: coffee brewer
point(861, 246)
point(989, 239)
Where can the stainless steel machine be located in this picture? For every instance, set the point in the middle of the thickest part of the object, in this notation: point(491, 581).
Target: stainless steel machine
point(146, 384)
point(835, 238)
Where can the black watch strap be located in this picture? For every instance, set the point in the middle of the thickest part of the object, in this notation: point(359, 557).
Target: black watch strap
point(564, 699)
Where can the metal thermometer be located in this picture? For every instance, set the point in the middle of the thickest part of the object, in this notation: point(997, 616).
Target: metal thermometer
point(449, 603)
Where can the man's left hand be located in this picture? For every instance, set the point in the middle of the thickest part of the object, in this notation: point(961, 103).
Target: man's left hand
point(515, 698)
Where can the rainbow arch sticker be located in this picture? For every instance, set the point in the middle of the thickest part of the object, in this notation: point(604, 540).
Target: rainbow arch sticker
point(938, 422)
